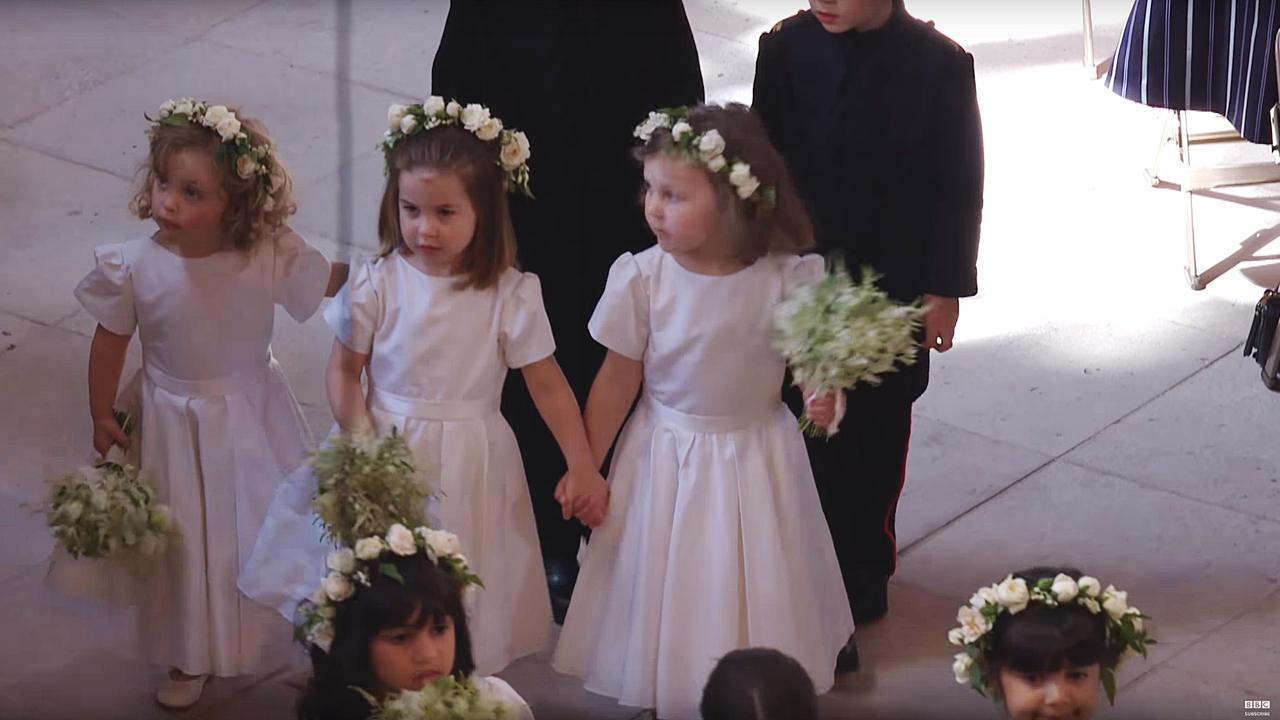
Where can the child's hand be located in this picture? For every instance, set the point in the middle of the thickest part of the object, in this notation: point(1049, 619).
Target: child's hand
point(584, 495)
point(821, 410)
point(107, 432)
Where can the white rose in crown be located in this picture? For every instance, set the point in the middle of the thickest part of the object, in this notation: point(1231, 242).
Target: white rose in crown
point(246, 166)
point(228, 128)
point(167, 108)
point(395, 114)
point(215, 115)
point(1137, 621)
point(1115, 602)
point(716, 164)
point(711, 145)
point(322, 635)
point(960, 666)
point(955, 636)
point(983, 596)
point(400, 540)
point(342, 560)
point(681, 130)
point(433, 105)
point(337, 586)
point(453, 109)
point(1089, 586)
point(318, 596)
point(442, 543)
point(184, 107)
point(408, 123)
point(973, 624)
point(741, 178)
point(489, 129)
point(370, 548)
point(1065, 588)
point(1013, 595)
point(514, 152)
point(473, 116)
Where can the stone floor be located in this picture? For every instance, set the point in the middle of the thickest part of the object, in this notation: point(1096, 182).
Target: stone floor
point(1095, 410)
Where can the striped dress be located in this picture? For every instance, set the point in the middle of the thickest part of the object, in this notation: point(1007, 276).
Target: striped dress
point(1215, 55)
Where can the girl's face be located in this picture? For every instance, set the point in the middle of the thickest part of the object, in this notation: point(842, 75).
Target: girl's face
point(680, 205)
point(410, 657)
point(1067, 693)
point(187, 201)
point(437, 219)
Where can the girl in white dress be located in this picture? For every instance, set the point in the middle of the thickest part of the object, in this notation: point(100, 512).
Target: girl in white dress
point(715, 538)
point(433, 324)
point(218, 424)
point(372, 632)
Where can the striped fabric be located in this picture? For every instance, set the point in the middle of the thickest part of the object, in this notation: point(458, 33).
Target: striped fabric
point(1214, 55)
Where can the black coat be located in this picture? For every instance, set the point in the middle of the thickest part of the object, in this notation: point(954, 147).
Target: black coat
point(882, 134)
point(577, 76)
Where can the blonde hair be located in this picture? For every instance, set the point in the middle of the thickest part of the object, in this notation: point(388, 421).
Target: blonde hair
point(755, 228)
point(257, 208)
point(452, 149)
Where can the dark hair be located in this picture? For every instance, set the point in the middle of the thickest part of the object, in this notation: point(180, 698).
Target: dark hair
point(452, 149)
point(759, 684)
point(428, 592)
point(254, 210)
point(1044, 639)
point(756, 230)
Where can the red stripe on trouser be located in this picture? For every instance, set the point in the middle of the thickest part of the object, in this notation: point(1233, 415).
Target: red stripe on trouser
point(893, 506)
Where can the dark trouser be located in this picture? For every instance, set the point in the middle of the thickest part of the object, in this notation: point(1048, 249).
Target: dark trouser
point(859, 474)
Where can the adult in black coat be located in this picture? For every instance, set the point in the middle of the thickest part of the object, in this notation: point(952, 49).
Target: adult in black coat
point(876, 113)
point(577, 76)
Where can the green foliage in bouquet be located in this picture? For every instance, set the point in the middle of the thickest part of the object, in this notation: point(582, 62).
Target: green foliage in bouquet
point(363, 486)
point(446, 699)
point(105, 511)
point(836, 333)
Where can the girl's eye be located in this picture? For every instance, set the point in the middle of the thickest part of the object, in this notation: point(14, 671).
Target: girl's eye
point(1077, 675)
point(447, 212)
point(440, 628)
point(401, 637)
point(408, 210)
point(193, 193)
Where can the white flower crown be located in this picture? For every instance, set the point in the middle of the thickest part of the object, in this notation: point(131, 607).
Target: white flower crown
point(707, 149)
point(348, 566)
point(249, 159)
point(435, 111)
point(1124, 627)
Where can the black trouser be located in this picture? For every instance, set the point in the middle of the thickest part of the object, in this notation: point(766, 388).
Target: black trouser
point(860, 473)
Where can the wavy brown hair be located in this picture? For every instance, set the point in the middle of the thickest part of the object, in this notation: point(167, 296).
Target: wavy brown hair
point(452, 149)
point(755, 229)
point(256, 208)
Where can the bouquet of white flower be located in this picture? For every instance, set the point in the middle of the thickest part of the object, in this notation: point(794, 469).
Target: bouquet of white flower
point(836, 333)
point(446, 699)
point(365, 485)
point(105, 510)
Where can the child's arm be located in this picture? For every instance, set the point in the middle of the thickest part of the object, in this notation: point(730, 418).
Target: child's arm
point(338, 273)
point(346, 397)
point(614, 389)
point(106, 362)
point(582, 492)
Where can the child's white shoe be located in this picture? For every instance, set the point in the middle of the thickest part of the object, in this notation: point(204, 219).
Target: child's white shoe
point(181, 692)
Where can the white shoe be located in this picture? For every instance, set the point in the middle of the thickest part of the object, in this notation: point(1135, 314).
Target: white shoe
point(177, 694)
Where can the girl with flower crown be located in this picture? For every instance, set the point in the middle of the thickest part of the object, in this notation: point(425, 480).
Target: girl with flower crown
point(1045, 641)
point(217, 420)
point(715, 538)
point(387, 631)
point(434, 323)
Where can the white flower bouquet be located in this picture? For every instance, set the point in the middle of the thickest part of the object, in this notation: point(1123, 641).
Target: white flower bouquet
point(446, 699)
point(836, 333)
point(105, 511)
point(364, 485)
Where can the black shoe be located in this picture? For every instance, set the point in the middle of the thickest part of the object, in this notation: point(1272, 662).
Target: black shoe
point(562, 575)
point(847, 661)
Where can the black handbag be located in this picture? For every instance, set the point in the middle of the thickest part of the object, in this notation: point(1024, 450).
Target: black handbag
point(1263, 343)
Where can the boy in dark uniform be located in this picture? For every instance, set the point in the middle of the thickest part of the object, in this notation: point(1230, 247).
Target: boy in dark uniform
point(876, 113)
point(576, 76)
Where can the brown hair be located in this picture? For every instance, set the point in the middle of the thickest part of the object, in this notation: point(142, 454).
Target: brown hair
point(756, 228)
point(256, 208)
point(449, 148)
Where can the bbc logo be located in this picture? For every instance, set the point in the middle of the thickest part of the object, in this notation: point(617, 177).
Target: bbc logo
point(1257, 704)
